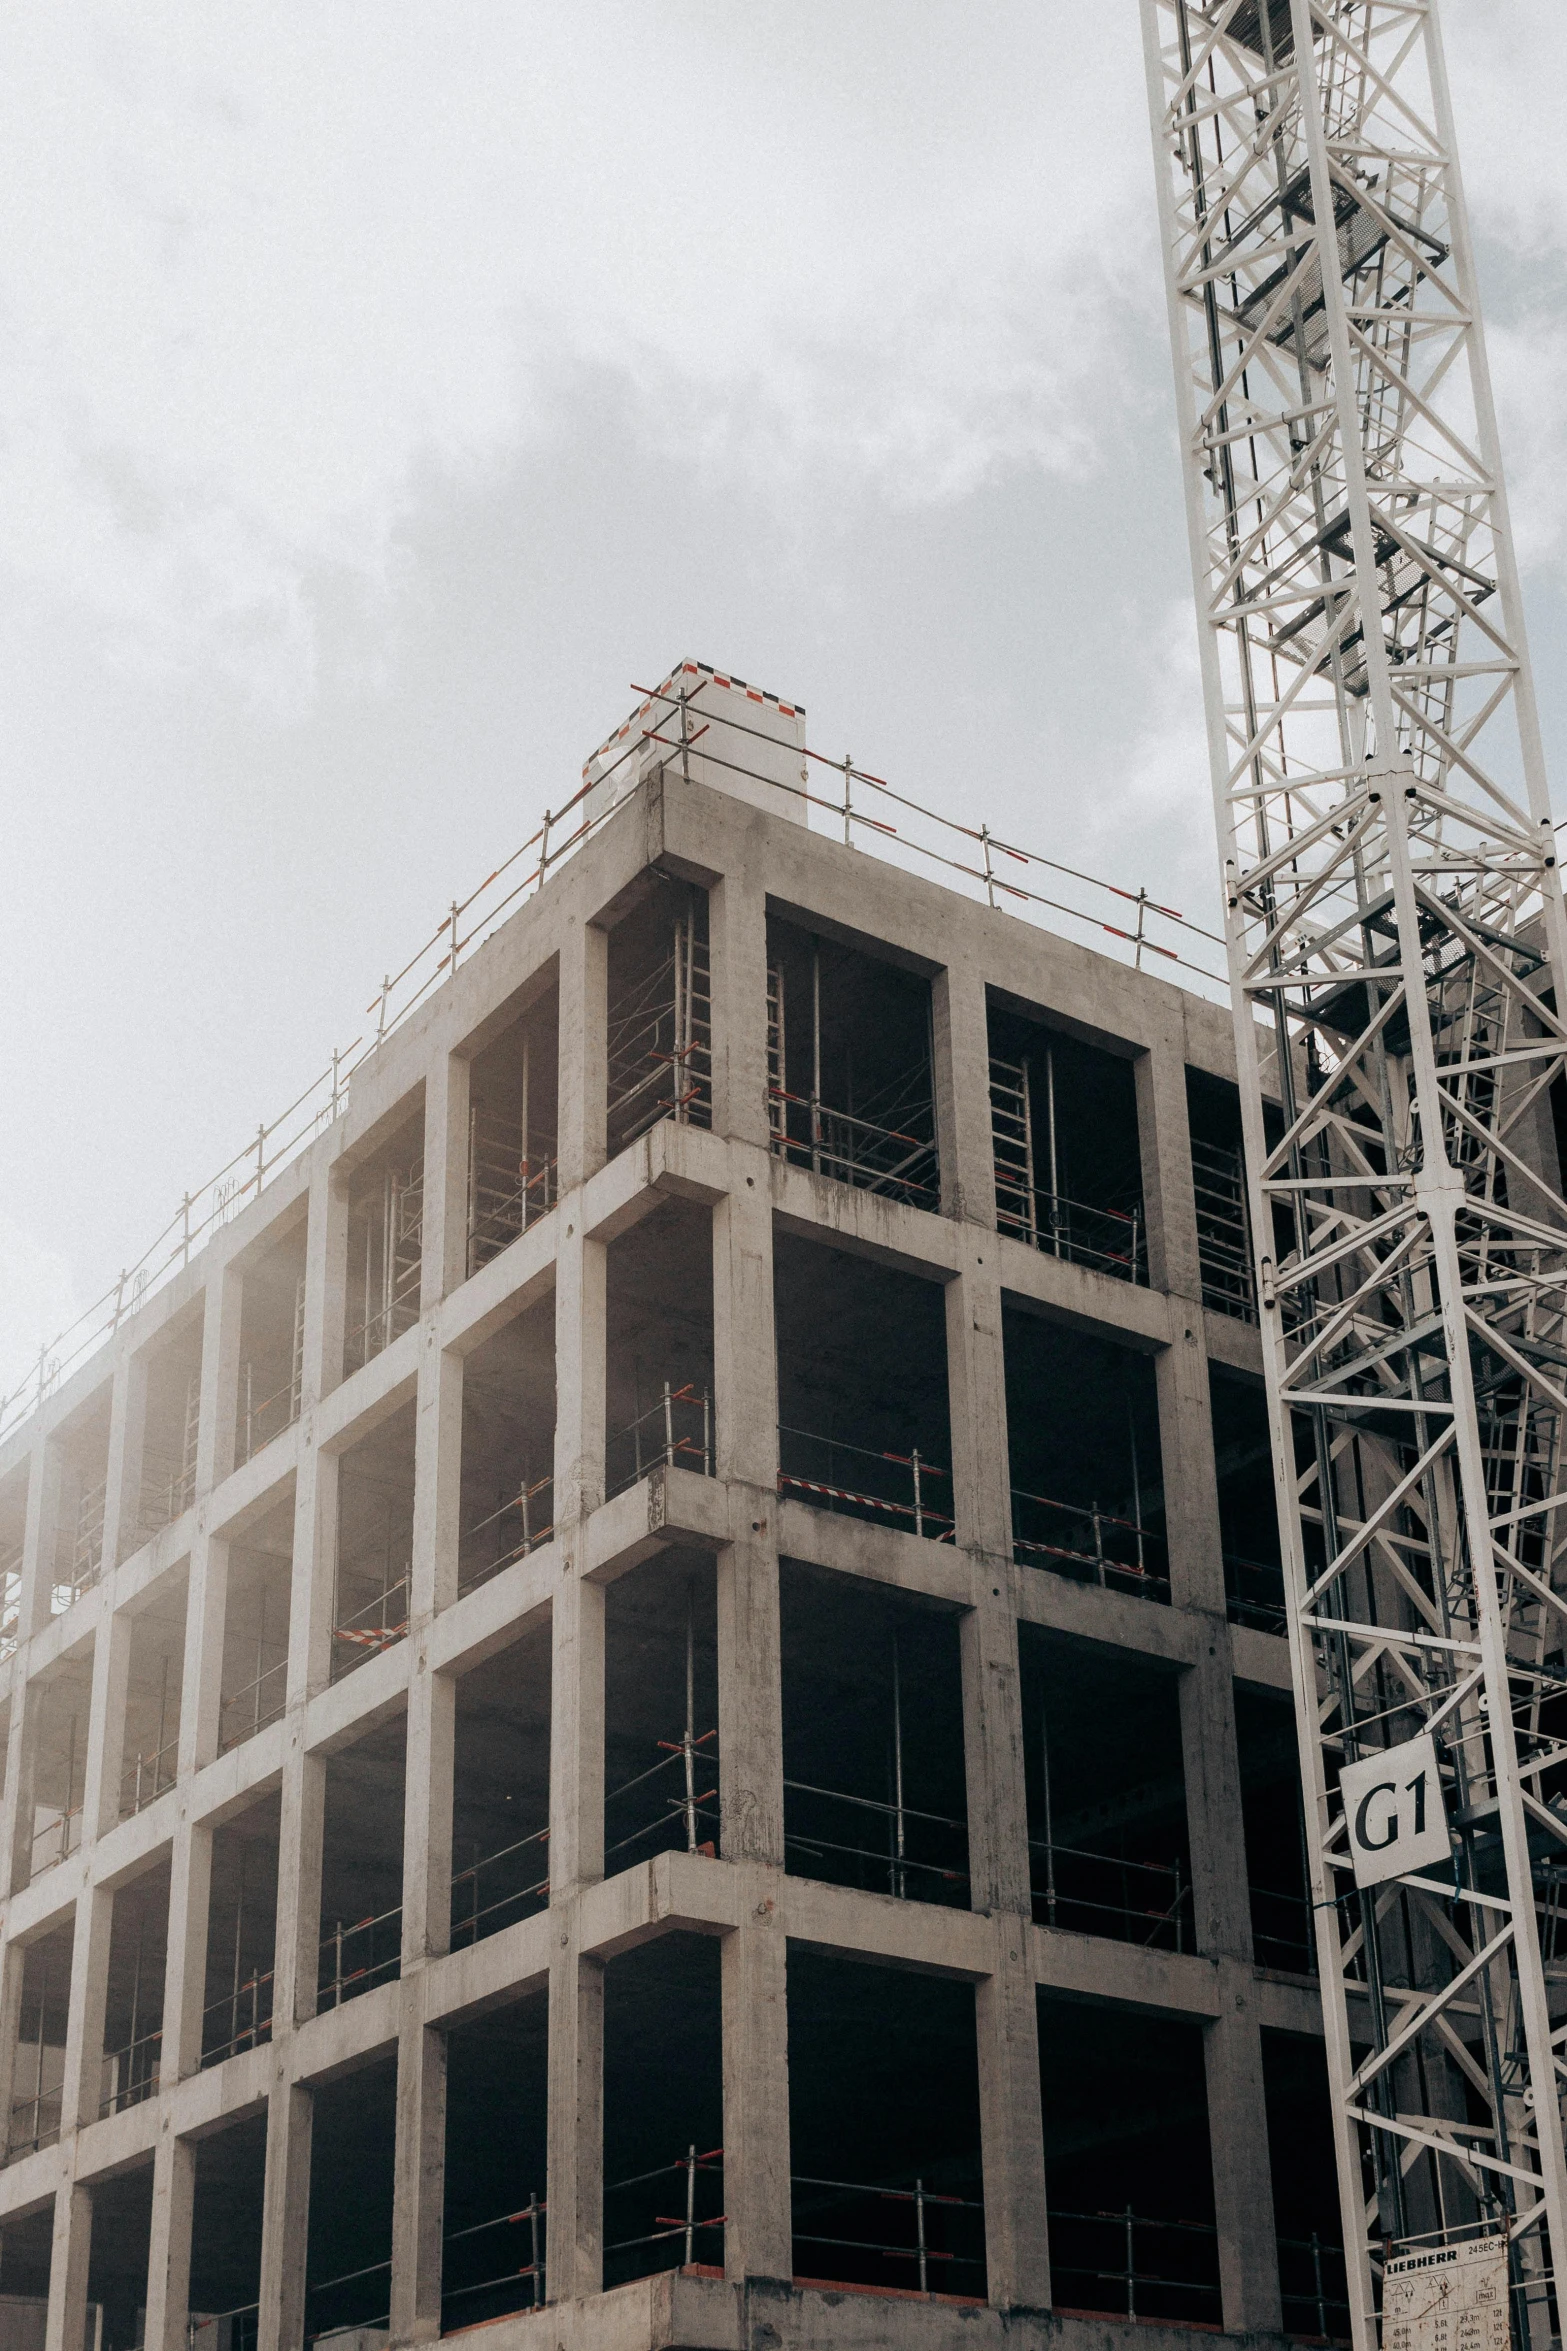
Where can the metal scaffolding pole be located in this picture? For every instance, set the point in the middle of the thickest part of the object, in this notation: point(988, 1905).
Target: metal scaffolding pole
point(1394, 923)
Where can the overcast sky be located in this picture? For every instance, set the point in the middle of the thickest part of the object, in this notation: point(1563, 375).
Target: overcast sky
point(383, 388)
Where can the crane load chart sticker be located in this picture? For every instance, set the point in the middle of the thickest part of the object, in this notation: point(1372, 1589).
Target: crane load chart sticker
point(1450, 2298)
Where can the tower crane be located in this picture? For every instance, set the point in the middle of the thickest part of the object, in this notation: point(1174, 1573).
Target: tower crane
point(1395, 935)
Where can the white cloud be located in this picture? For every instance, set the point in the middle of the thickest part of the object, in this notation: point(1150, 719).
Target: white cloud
point(36, 1294)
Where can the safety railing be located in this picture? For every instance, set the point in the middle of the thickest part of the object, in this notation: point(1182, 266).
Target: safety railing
point(261, 1418)
point(1127, 1901)
point(517, 1525)
point(386, 1283)
point(884, 820)
point(512, 1182)
point(514, 2285)
point(660, 1047)
point(224, 2330)
point(917, 1856)
point(241, 2019)
point(261, 1700)
point(1223, 1230)
point(893, 1153)
point(370, 1628)
point(55, 1839)
point(35, 2120)
point(664, 2240)
point(330, 2308)
point(83, 1561)
point(1283, 1930)
point(1314, 2288)
point(676, 1430)
point(168, 1482)
point(130, 2075)
point(357, 1957)
point(1090, 1544)
point(484, 1898)
point(673, 1804)
point(1111, 1241)
point(1254, 1593)
point(10, 1598)
point(147, 1777)
point(906, 1488)
point(1125, 2262)
point(924, 2239)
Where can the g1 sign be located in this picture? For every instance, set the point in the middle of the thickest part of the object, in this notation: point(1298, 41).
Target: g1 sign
point(1393, 1806)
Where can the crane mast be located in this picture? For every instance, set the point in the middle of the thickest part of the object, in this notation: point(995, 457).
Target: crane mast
point(1395, 927)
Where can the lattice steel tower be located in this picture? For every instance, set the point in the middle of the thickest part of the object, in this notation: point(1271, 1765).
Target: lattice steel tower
point(1395, 922)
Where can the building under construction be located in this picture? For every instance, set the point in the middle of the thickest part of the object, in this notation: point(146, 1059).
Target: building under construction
point(647, 1706)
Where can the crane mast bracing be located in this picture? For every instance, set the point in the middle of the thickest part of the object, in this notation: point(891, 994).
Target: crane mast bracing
point(1395, 925)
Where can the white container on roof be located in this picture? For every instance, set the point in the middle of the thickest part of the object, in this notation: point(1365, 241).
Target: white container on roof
point(714, 727)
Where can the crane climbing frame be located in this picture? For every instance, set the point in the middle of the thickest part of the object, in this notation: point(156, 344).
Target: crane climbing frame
point(1395, 929)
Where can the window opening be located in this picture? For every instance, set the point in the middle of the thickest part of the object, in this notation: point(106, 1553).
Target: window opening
point(849, 1060)
point(1065, 1138)
point(385, 1246)
point(660, 1016)
point(513, 1176)
point(1083, 1439)
point(661, 1712)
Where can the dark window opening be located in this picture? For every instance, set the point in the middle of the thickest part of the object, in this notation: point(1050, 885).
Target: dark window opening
point(375, 1535)
point(849, 1088)
point(659, 1366)
point(60, 1762)
point(508, 1446)
point(256, 1616)
point(271, 1343)
point(26, 2257)
point(348, 2259)
point(150, 1759)
point(1107, 1834)
point(1069, 1176)
point(1282, 1930)
point(1213, 1111)
point(874, 1790)
point(864, 1421)
point(362, 1866)
point(385, 1244)
point(1248, 1509)
point(512, 1131)
point(241, 1930)
point(660, 1014)
point(1305, 2188)
point(501, 1790)
point(884, 2129)
point(82, 1462)
point(169, 1432)
point(663, 2109)
point(225, 2263)
point(118, 2250)
point(133, 2006)
point(1083, 1439)
point(1129, 2164)
point(38, 2080)
point(495, 2242)
point(661, 1710)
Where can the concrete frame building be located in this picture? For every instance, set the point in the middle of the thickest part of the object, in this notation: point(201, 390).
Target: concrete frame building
point(680, 1182)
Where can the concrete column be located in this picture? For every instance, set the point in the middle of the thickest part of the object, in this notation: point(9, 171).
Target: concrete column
point(201, 1684)
point(1011, 2126)
point(437, 1480)
point(40, 1534)
point(745, 1354)
point(168, 2252)
point(298, 1946)
point(1165, 1148)
point(1242, 2172)
point(65, 2326)
point(737, 945)
point(580, 1271)
point(758, 2236)
point(584, 1054)
point(445, 1254)
point(111, 1667)
point(574, 2246)
point(326, 1287)
point(122, 1489)
point(220, 1341)
point(83, 2066)
point(960, 1039)
point(419, 2189)
point(16, 1854)
point(185, 1974)
point(285, 2220)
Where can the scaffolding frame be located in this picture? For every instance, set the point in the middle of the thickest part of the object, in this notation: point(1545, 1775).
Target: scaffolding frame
point(1395, 927)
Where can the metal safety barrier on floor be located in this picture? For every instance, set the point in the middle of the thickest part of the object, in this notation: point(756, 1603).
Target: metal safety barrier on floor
point(1080, 1539)
point(516, 1526)
point(241, 2008)
point(1110, 1894)
point(922, 2205)
point(467, 1885)
point(1117, 2266)
point(914, 1501)
point(357, 1943)
point(674, 1432)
